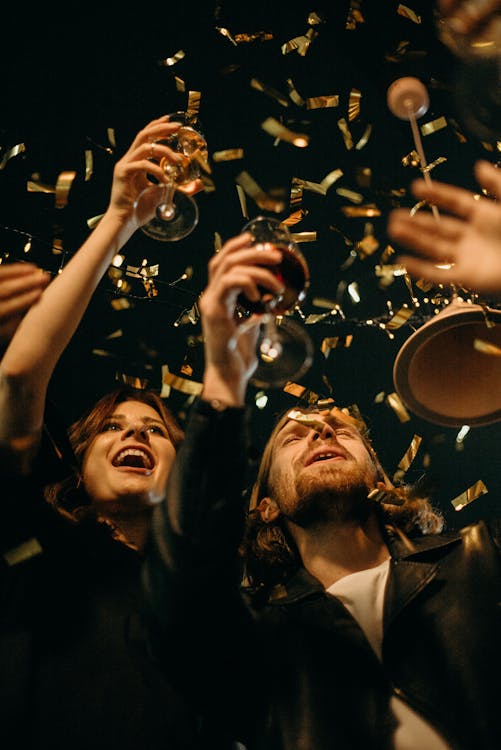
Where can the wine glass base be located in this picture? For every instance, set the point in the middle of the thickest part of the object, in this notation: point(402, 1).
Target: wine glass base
point(291, 356)
point(183, 221)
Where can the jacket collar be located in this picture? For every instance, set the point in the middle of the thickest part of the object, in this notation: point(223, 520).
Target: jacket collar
point(409, 578)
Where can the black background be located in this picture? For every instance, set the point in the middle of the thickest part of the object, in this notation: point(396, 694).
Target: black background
point(69, 75)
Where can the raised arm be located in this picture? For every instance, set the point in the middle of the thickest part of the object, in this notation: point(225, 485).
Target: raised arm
point(44, 332)
point(467, 235)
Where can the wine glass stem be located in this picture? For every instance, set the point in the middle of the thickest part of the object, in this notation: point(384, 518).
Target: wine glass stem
point(166, 208)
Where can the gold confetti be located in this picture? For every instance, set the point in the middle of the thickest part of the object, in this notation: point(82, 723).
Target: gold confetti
point(169, 61)
point(251, 188)
point(323, 102)
point(34, 186)
point(335, 342)
point(63, 187)
point(303, 236)
point(367, 210)
point(261, 36)
point(276, 129)
point(133, 380)
point(345, 131)
point(408, 457)
point(399, 318)
point(20, 148)
point(22, 552)
point(350, 195)
point(433, 126)
point(180, 384)
point(229, 154)
point(299, 44)
point(354, 104)
point(271, 92)
point(121, 303)
point(406, 12)
point(89, 164)
point(364, 139)
point(294, 93)
point(393, 400)
point(486, 348)
point(469, 495)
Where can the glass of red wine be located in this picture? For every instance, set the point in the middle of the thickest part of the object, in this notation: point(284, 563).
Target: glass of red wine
point(284, 349)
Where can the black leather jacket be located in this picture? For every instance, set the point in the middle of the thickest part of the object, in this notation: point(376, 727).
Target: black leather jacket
point(296, 672)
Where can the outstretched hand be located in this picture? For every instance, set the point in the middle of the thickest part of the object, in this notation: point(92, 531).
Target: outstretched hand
point(21, 285)
point(467, 236)
point(143, 158)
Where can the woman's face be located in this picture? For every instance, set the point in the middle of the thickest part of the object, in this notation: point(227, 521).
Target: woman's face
point(127, 464)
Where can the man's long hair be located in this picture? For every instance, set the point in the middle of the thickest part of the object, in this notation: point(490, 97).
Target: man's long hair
point(269, 552)
point(68, 496)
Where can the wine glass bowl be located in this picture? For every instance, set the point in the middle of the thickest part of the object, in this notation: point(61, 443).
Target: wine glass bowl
point(268, 233)
point(175, 211)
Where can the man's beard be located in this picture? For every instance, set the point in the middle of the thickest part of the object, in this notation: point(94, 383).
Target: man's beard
point(319, 500)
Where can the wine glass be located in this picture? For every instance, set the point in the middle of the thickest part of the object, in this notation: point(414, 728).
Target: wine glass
point(284, 349)
point(175, 212)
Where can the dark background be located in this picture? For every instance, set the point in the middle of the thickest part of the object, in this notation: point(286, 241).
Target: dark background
point(69, 75)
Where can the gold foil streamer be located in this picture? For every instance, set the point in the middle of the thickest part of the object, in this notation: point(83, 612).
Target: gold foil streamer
point(20, 148)
point(406, 12)
point(89, 164)
point(322, 102)
point(368, 211)
point(411, 159)
point(295, 218)
point(264, 201)
point(330, 179)
point(299, 44)
point(469, 495)
point(94, 221)
point(256, 36)
point(63, 187)
point(271, 92)
point(354, 16)
point(276, 129)
point(313, 187)
point(487, 348)
point(304, 236)
point(345, 131)
point(180, 384)
point(409, 455)
point(193, 106)
point(364, 139)
point(133, 380)
point(294, 93)
point(229, 154)
point(433, 126)
point(180, 84)
point(354, 104)
point(400, 317)
point(35, 186)
point(351, 195)
point(335, 342)
point(169, 61)
point(368, 244)
point(393, 400)
point(24, 551)
point(121, 303)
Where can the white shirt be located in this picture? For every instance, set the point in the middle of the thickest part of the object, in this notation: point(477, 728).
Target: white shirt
point(362, 593)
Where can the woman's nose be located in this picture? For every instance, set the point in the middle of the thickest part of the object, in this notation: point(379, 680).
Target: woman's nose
point(137, 430)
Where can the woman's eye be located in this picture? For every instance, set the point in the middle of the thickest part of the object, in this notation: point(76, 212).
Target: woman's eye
point(157, 430)
point(110, 426)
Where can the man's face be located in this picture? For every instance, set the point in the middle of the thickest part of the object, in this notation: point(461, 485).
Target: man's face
point(127, 464)
point(321, 470)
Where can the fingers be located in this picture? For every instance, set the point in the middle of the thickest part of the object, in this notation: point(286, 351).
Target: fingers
point(18, 280)
point(424, 234)
point(453, 199)
point(423, 269)
point(489, 177)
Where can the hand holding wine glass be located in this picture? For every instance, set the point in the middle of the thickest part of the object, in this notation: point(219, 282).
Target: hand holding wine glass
point(284, 349)
point(166, 210)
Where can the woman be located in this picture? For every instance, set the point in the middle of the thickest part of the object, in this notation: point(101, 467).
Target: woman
point(76, 512)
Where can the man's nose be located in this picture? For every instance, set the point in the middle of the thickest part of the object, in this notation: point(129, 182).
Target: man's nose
point(325, 432)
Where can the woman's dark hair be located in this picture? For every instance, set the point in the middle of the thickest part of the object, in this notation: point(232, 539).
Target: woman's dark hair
point(68, 496)
point(268, 550)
